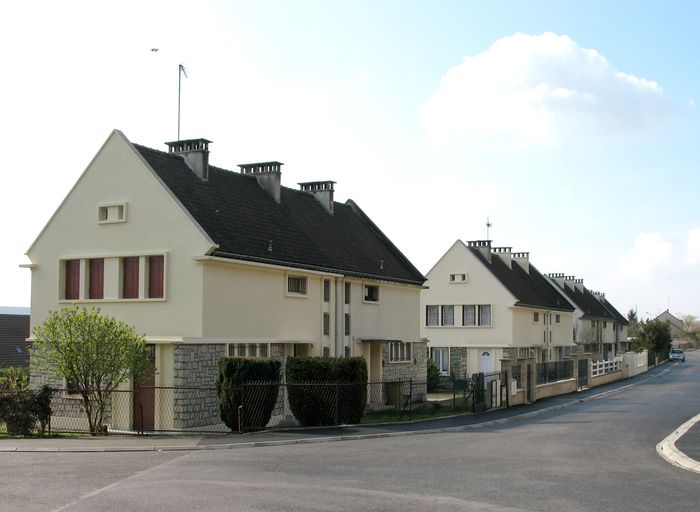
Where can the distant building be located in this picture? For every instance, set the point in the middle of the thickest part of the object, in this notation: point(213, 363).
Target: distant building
point(676, 324)
point(14, 331)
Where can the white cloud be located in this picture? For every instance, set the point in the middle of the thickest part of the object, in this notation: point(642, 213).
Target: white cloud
point(693, 249)
point(539, 89)
point(650, 253)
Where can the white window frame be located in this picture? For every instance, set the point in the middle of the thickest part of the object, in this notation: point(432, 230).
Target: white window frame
point(428, 309)
point(444, 317)
point(400, 352)
point(302, 279)
point(110, 213)
point(365, 290)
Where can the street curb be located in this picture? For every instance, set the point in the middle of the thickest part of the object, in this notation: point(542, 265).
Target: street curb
point(332, 439)
point(668, 451)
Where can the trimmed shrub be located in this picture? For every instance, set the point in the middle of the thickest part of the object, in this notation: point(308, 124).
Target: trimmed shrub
point(258, 398)
point(433, 376)
point(22, 409)
point(327, 391)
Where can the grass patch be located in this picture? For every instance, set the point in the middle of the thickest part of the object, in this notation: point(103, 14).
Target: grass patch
point(427, 411)
point(54, 435)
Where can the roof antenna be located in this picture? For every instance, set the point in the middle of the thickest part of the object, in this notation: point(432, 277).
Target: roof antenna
point(180, 71)
point(488, 226)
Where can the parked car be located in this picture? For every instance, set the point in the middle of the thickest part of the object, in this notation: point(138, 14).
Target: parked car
point(676, 354)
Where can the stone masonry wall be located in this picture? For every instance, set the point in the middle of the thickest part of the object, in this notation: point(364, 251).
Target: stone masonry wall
point(196, 366)
point(415, 370)
point(458, 362)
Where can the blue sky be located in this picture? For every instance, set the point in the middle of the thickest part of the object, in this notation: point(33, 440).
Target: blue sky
point(571, 125)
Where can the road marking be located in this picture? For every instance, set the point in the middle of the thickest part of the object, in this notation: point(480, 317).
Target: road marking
point(668, 451)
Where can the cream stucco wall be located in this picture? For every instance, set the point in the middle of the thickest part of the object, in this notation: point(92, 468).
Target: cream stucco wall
point(155, 224)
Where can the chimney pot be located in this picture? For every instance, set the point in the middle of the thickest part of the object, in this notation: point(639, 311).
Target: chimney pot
point(195, 152)
point(268, 175)
point(322, 191)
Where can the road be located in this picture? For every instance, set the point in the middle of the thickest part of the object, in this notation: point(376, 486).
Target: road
point(597, 455)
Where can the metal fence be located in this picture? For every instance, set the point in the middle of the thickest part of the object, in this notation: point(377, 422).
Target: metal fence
point(256, 405)
point(554, 371)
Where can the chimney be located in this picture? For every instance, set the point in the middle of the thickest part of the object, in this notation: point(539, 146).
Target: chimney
point(522, 259)
point(557, 278)
point(484, 247)
point(195, 152)
point(322, 191)
point(269, 176)
point(598, 295)
point(503, 253)
point(578, 283)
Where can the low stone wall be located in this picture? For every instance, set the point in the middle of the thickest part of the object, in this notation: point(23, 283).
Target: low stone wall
point(605, 378)
point(561, 387)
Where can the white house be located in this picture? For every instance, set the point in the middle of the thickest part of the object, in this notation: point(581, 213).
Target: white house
point(482, 304)
point(598, 327)
point(207, 262)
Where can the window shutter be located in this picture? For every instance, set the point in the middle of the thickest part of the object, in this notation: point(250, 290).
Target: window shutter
point(155, 276)
point(97, 278)
point(130, 280)
point(72, 291)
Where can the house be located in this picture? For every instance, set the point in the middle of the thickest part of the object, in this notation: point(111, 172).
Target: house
point(675, 323)
point(598, 327)
point(483, 303)
point(14, 331)
point(207, 262)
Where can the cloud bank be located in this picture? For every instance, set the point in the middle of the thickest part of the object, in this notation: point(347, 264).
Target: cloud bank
point(539, 89)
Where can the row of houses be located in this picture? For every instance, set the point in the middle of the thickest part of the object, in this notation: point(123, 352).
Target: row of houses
point(208, 262)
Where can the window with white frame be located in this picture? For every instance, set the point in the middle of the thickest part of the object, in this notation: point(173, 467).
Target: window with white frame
point(399, 351)
point(248, 350)
point(371, 293)
point(296, 285)
point(484, 314)
point(458, 278)
point(431, 316)
point(469, 315)
point(448, 315)
point(474, 315)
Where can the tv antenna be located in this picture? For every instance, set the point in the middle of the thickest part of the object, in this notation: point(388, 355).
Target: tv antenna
point(488, 226)
point(180, 71)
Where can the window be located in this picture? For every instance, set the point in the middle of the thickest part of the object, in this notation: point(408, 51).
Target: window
point(469, 315)
point(371, 293)
point(347, 324)
point(347, 351)
point(347, 293)
point(253, 351)
point(441, 357)
point(399, 351)
point(458, 278)
point(484, 314)
point(431, 315)
point(72, 274)
point(72, 387)
point(326, 324)
point(557, 318)
point(263, 350)
point(296, 284)
point(96, 278)
point(448, 315)
point(536, 316)
point(241, 351)
point(130, 277)
point(605, 324)
point(111, 213)
point(326, 352)
point(247, 350)
point(326, 290)
point(156, 268)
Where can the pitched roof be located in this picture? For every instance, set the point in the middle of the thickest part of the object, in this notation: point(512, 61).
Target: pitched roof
point(14, 330)
point(530, 288)
point(247, 224)
point(619, 318)
point(587, 302)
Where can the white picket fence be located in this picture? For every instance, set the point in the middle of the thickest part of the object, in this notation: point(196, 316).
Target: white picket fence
point(602, 367)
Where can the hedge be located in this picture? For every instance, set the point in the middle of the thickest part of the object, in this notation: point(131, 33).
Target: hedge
point(258, 401)
point(327, 391)
point(22, 409)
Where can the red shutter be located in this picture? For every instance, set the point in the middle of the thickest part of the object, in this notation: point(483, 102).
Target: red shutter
point(97, 278)
point(155, 276)
point(72, 291)
point(130, 281)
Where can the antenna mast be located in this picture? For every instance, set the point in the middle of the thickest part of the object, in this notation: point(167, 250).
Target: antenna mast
point(180, 71)
point(488, 226)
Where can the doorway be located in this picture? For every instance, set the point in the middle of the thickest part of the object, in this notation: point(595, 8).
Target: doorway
point(144, 404)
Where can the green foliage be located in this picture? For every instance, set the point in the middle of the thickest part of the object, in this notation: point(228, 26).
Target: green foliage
point(95, 352)
point(21, 409)
point(633, 319)
point(327, 391)
point(258, 400)
point(654, 336)
point(13, 378)
point(433, 376)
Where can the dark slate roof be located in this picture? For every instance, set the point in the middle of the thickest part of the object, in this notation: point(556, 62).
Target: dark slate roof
point(588, 303)
point(619, 318)
point(245, 221)
point(531, 288)
point(14, 330)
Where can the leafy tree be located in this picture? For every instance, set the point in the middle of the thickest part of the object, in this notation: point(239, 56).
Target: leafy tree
point(94, 352)
point(654, 336)
point(634, 325)
point(689, 322)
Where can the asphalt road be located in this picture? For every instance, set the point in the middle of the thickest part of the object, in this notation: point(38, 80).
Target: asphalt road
point(597, 455)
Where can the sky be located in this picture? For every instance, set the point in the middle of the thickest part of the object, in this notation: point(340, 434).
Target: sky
point(572, 126)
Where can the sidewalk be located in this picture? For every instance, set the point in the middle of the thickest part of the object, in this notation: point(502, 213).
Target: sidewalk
point(117, 443)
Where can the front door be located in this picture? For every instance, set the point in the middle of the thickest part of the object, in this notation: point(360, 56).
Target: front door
point(144, 406)
point(486, 360)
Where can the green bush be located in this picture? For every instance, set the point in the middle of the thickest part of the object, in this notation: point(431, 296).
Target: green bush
point(14, 378)
point(327, 391)
point(21, 410)
point(258, 400)
point(433, 376)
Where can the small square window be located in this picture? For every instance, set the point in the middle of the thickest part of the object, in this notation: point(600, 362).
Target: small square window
point(536, 316)
point(458, 278)
point(109, 213)
point(371, 293)
point(297, 285)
